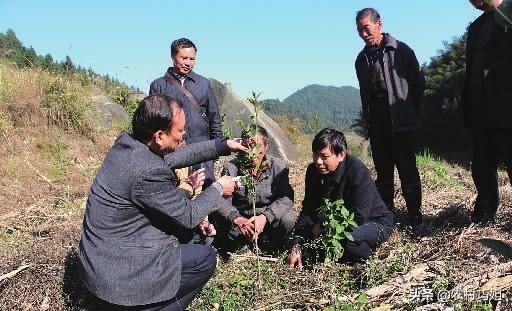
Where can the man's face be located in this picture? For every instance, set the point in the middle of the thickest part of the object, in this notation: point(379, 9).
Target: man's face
point(369, 31)
point(184, 60)
point(260, 149)
point(172, 139)
point(485, 5)
point(326, 161)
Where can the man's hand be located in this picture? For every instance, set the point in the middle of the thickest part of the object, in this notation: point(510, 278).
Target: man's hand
point(236, 146)
point(196, 179)
point(207, 229)
point(295, 258)
point(316, 231)
point(228, 185)
point(259, 224)
point(245, 226)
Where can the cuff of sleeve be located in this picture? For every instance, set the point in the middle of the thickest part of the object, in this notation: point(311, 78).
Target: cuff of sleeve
point(270, 215)
point(218, 186)
point(298, 240)
point(233, 215)
point(221, 146)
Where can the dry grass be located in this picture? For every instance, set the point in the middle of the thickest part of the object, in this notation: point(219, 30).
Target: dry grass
point(44, 233)
point(45, 174)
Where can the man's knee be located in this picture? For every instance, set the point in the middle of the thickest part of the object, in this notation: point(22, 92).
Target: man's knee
point(357, 250)
point(210, 262)
point(199, 259)
point(287, 222)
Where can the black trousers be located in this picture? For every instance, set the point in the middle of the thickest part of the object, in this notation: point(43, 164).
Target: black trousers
point(366, 237)
point(397, 149)
point(490, 145)
point(198, 263)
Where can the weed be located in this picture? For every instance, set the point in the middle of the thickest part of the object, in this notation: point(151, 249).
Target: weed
point(377, 270)
point(66, 103)
point(359, 305)
point(337, 221)
point(12, 240)
point(436, 172)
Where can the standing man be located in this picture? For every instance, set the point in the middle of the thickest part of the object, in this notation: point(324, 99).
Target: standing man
point(487, 103)
point(195, 92)
point(391, 86)
point(129, 253)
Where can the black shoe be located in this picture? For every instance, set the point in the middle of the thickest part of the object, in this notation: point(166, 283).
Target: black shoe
point(418, 227)
point(482, 218)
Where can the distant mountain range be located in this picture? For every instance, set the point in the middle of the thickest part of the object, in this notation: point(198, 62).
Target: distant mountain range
point(336, 107)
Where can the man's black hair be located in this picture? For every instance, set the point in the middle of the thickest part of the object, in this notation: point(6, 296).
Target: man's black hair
point(154, 113)
point(368, 12)
point(331, 138)
point(263, 132)
point(181, 43)
point(259, 131)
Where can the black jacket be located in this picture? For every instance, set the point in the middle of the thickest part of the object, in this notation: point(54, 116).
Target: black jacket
point(405, 84)
point(497, 81)
point(197, 128)
point(351, 182)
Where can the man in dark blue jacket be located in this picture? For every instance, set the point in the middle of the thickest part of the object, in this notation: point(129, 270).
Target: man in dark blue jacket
point(391, 86)
point(195, 92)
point(129, 253)
point(487, 102)
point(334, 175)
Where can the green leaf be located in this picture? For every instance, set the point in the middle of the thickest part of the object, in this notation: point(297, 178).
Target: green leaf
point(349, 236)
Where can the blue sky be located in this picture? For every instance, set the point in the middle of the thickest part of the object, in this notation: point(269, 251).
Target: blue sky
point(275, 47)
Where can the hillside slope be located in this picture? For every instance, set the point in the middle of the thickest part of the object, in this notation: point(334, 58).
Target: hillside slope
point(336, 107)
point(236, 108)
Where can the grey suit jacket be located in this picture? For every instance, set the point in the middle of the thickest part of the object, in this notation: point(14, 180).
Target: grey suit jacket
point(128, 253)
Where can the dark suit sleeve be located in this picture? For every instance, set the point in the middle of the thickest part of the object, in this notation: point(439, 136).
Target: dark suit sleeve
point(213, 115)
point(196, 153)
point(365, 107)
point(308, 215)
point(227, 210)
point(415, 76)
point(284, 197)
point(465, 91)
point(156, 190)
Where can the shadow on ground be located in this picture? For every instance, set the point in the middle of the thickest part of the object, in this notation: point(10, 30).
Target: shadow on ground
point(75, 293)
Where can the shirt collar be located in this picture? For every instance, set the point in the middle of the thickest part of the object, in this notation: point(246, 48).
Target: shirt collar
point(191, 76)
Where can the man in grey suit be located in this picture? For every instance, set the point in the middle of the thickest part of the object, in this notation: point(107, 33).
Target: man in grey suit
point(128, 252)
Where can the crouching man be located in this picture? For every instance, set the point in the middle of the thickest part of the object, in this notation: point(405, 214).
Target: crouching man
point(129, 254)
point(333, 175)
point(235, 221)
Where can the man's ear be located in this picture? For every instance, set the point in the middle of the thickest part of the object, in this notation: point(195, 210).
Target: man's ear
point(379, 22)
point(342, 155)
point(158, 138)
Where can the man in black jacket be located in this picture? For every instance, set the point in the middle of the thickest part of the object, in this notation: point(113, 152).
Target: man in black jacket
point(195, 92)
point(487, 103)
point(129, 253)
point(336, 175)
point(391, 86)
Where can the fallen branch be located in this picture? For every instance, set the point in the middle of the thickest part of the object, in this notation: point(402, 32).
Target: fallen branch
point(13, 273)
point(239, 258)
